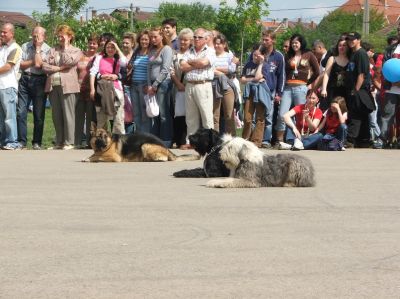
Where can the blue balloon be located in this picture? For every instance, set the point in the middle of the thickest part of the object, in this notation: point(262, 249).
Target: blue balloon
point(391, 70)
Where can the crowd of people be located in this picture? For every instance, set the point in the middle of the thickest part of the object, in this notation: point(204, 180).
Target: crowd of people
point(301, 98)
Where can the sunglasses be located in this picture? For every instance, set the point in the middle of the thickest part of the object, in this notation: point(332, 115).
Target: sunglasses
point(198, 37)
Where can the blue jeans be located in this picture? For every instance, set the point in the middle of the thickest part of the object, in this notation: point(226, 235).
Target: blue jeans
point(31, 88)
point(162, 124)
point(140, 118)
point(8, 117)
point(291, 96)
point(373, 122)
point(311, 141)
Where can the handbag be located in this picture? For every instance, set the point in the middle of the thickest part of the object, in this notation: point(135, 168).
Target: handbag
point(128, 109)
point(152, 109)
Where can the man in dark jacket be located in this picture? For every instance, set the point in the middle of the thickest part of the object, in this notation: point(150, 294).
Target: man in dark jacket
point(359, 99)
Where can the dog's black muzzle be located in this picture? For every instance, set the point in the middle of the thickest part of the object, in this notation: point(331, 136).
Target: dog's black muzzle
point(100, 143)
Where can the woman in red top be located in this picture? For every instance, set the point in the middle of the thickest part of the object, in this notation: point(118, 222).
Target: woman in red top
point(308, 117)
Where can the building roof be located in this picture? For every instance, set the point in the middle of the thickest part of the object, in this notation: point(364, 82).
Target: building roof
point(138, 14)
point(282, 26)
point(389, 8)
point(18, 19)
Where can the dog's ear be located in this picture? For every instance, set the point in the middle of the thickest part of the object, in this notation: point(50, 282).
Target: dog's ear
point(93, 128)
point(213, 137)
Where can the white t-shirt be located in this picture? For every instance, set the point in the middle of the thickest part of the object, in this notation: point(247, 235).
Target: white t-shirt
point(10, 54)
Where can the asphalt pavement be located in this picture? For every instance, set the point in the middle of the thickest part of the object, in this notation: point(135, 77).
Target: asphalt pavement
point(131, 230)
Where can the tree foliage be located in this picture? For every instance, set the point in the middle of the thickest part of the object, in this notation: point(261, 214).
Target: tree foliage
point(65, 8)
point(338, 22)
point(97, 26)
point(193, 15)
point(241, 24)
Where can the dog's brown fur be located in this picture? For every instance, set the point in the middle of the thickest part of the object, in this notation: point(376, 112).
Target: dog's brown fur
point(131, 148)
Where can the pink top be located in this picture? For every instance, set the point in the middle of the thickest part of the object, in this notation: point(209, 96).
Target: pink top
point(106, 68)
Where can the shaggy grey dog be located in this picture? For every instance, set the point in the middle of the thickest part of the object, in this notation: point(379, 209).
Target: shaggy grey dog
point(251, 168)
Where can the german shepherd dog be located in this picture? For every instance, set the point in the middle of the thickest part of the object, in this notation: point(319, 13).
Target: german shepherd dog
point(137, 147)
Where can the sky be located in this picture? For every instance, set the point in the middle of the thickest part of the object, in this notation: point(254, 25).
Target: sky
point(308, 10)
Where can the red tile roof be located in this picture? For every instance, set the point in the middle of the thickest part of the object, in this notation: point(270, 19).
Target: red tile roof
point(389, 8)
point(16, 18)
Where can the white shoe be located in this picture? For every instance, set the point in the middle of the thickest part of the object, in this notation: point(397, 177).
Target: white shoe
point(284, 146)
point(68, 147)
point(297, 145)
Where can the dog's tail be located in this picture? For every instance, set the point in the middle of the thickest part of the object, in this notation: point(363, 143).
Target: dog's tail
point(190, 173)
point(189, 157)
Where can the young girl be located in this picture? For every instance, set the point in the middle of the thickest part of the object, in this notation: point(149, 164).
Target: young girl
point(334, 123)
point(308, 116)
point(106, 69)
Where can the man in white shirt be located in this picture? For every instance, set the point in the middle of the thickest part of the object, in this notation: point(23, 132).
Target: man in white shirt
point(10, 59)
point(198, 65)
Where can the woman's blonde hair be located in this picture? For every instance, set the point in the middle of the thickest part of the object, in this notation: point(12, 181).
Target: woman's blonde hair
point(65, 29)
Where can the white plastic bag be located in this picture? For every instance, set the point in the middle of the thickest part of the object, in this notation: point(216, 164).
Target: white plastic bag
point(180, 109)
point(152, 109)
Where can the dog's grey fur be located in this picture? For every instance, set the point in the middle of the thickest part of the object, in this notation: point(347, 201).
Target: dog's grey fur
point(251, 168)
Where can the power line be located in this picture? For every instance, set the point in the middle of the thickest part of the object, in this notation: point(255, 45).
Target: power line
point(270, 10)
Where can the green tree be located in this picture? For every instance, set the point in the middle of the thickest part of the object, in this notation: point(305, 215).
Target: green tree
point(338, 21)
point(98, 26)
point(192, 15)
point(241, 24)
point(65, 8)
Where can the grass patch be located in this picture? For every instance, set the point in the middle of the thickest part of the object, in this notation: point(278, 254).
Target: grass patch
point(48, 131)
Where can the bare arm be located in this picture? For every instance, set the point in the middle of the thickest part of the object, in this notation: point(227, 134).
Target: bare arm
point(6, 68)
point(327, 73)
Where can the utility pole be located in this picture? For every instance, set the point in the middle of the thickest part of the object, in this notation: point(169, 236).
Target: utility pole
point(131, 16)
point(366, 18)
point(87, 12)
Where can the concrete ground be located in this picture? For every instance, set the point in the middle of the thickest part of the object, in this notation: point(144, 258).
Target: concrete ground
point(131, 230)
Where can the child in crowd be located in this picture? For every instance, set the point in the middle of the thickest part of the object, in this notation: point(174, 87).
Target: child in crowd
point(333, 126)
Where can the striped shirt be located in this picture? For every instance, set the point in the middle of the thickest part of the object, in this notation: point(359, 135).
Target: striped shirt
point(204, 73)
point(140, 69)
point(225, 61)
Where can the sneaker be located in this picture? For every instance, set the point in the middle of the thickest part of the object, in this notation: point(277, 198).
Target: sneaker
point(36, 147)
point(284, 146)
point(56, 147)
point(9, 147)
point(266, 144)
point(377, 144)
point(348, 144)
point(297, 145)
point(68, 147)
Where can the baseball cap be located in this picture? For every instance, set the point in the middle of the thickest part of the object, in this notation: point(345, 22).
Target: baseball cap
point(353, 35)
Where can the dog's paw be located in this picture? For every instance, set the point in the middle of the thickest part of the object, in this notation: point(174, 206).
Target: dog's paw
point(85, 160)
point(216, 183)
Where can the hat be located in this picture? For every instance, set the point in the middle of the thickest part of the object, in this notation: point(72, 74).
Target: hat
point(353, 36)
